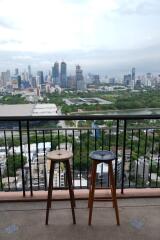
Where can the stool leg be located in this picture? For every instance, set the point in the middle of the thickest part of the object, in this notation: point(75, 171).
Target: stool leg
point(91, 195)
point(71, 192)
point(49, 191)
point(90, 188)
point(113, 191)
point(111, 187)
point(69, 178)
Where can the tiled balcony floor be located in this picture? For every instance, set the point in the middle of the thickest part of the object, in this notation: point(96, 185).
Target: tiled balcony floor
point(140, 219)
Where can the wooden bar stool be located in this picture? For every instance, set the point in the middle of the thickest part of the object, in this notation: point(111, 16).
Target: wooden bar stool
point(102, 156)
point(58, 156)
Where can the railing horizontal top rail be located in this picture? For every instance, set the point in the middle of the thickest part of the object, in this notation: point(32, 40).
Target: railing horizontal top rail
point(79, 117)
point(80, 128)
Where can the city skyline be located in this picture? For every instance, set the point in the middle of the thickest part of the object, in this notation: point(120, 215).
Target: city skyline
point(107, 36)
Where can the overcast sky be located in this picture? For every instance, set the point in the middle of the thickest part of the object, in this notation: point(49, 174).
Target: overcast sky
point(104, 36)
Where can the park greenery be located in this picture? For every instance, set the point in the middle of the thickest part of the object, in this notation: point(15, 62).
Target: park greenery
point(120, 100)
point(13, 99)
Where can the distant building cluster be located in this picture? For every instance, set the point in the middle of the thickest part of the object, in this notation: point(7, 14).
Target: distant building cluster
point(57, 79)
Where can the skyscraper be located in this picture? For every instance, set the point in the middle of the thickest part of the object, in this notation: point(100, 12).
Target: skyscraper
point(55, 73)
point(5, 78)
point(29, 74)
point(19, 81)
point(63, 75)
point(40, 77)
point(79, 79)
point(127, 80)
point(16, 71)
point(133, 77)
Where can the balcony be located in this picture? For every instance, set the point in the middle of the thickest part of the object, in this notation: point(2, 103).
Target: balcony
point(24, 173)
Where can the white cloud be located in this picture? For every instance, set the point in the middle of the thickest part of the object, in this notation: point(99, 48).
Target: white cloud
point(59, 25)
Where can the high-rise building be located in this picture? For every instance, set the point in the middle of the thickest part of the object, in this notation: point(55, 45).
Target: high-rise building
point(133, 77)
point(55, 73)
point(71, 82)
point(19, 81)
point(79, 79)
point(63, 75)
point(16, 71)
point(96, 79)
point(29, 73)
point(40, 77)
point(112, 81)
point(5, 78)
point(127, 80)
point(148, 81)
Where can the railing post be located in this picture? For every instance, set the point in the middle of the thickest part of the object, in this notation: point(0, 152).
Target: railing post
point(1, 186)
point(124, 152)
point(22, 162)
point(117, 135)
point(29, 159)
point(44, 163)
point(7, 162)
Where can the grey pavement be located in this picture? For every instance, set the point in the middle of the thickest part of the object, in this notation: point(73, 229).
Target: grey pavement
point(140, 219)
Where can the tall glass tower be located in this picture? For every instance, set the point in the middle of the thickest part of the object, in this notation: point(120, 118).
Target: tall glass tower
point(55, 73)
point(79, 79)
point(63, 75)
point(133, 77)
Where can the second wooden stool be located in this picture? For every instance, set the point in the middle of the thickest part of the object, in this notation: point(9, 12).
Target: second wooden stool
point(102, 156)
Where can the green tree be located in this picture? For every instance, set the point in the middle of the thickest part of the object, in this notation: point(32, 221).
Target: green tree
point(13, 163)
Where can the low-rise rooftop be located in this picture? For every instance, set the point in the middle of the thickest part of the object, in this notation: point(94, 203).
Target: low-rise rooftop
point(28, 110)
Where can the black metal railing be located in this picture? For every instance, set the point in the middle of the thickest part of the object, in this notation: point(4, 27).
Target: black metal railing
point(25, 141)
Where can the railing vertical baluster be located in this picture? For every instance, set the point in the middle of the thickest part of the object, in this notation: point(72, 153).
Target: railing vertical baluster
point(14, 169)
point(151, 159)
point(109, 139)
point(145, 151)
point(87, 156)
point(66, 139)
point(102, 144)
point(51, 137)
point(58, 140)
point(1, 186)
point(109, 146)
point(44, 161)
point(139, 141)
point(158, 165)
point(95, 140)
point(37, 158)
point(22, 161)
point(7, 162)
point(124, 154)
point(116, 160)
point(102, 138)
point(130, 162)
point(29, 158)
point(59, 163)
point(80, 159)
point(73, 150)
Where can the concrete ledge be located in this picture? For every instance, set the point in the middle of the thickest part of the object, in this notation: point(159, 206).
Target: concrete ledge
point(80, 194)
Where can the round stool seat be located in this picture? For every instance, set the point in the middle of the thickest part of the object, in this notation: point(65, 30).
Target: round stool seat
point(102, 155)
point(59, 155)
